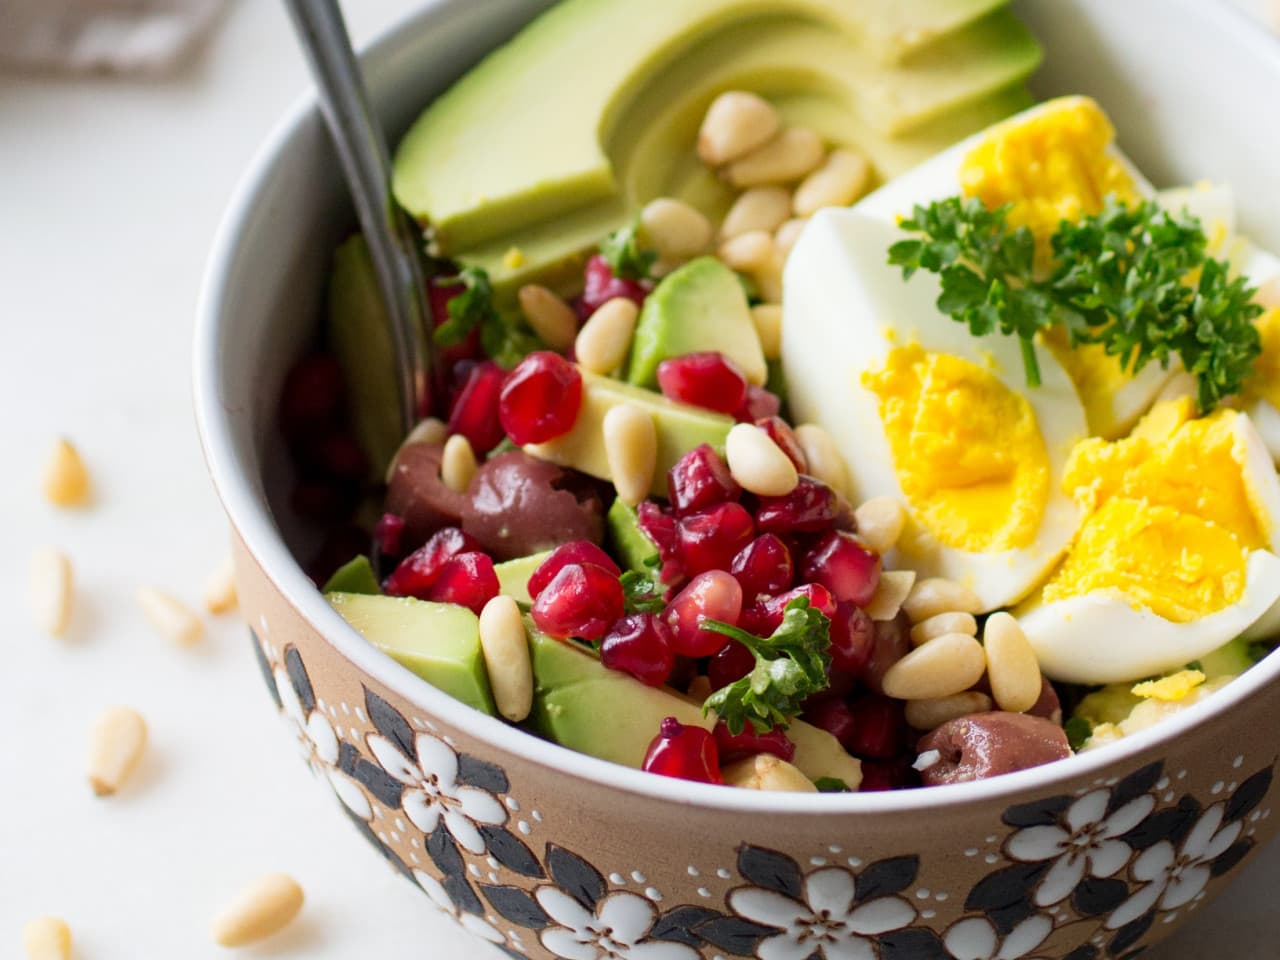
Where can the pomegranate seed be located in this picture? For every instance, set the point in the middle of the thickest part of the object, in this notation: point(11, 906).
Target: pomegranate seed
point(708, 380)
point(475, 411)
point(844, 566)
point(468, 580)
point(757, 619)
point(711, 538)
point(388, 533)
point(700, 479)
point(731, 663)
point(834, 716)
point(579, 551)
point(313, 397)
point(417, 573)
point(601, 286)
point(852, 638)
point(839, 686)
point(582, 600)
point(439, 296)
point(688, 753)
point(819, 598)
point(879, 727)
point(812, 506)
point(340, 456)
point(734, 746)
point(541, 398)
point(639, 644)
point(892, 643)
point(760, 403)
point(781, 434)
point(660, 527)
point(763, 566)
point(896, 774)
point(713, 595)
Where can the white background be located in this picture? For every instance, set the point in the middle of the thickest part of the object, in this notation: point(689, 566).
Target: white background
point(110, 191)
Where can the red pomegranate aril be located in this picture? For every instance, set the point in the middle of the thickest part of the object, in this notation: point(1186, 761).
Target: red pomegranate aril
point(757, 619)
point(579, 551)
point(582, 600)
point(844, 566)
point(839, 685)
point(417, 573)
point(782, 434)
point(879, 727)
point(660, 527)
point(895, 774)
point(313, 396)
point(688, 753)
point(731, 663)
point(834, 716)
point(759, 403)
point(468, 580)
point(388, 533)
point(812, 506)
point(639, 644)
point(713, 595)
point(763, 566)
point(819, 598)
point(734, 746)
point(709, 380)
point(853, 637)
point(600, 286)
point(541, 398)
point(711, 538)
point(475, 410)
point(700, 479)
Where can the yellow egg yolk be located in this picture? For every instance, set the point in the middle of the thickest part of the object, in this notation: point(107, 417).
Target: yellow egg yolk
point(1265, 382)
point(1171, 688)
point(967, 449)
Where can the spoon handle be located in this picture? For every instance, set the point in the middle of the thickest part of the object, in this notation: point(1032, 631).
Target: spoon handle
point(362, 151)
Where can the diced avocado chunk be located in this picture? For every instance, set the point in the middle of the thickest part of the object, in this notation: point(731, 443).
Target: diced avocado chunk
point(440, 642)
point(680, 429)
point(699, 307)
point(359, 338)
point(354, 576)
point(629, 544)
point(582, 704)
point(513, 575)
point(1230, 660)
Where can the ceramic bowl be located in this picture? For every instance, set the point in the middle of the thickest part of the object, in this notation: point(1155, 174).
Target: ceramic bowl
point(548, 853)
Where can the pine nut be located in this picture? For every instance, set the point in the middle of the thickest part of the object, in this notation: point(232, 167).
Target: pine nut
point(826, 463)
point(890, 593)
point(936, 595)
point(769, 280)
point(170, 617)
point(116, 743)
point(263, 909)
point(837, 183)
point(1012, 666)
point(757, 463)
point(735, 124)
point(631, 449)
point(943, 623)
point(66, 479)
point(52, 589)
point(785, 237)
point(506, 657)
point(47, 938)
point(550, 317)
point(764, 771)
point(768, 320)
point(220, 589)
point(458, 463)
point(431, 430)
point(931, 714)
point(675, 229)
point(760, 208)
point(605, 339)
point(748, 252)
point(791, 155)
point(949, 664)
point(880, 521)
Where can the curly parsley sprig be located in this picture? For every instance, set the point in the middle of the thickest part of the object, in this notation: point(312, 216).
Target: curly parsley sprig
point(503, 338)
point(625, 256)
point(791, 666)
point(1121, 278)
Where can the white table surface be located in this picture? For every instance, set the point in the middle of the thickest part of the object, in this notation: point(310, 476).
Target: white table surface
point(110, 191)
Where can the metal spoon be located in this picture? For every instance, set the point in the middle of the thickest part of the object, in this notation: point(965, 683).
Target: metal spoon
point(362, 151)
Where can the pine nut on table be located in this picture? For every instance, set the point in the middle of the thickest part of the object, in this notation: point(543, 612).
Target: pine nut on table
point(605, 339)
point(47, 938)
point(506, 657)
point(954, 621)
point(116, 744)
point(52, 590)
point(1012, 666)
point(631, 449)
point(949, 664)
point(66, 479)
point(931, 714)
point(170, 617)
point(735, 124)
point(261, 910)
point(935, 595)
point(220, 589)
point(757, 463)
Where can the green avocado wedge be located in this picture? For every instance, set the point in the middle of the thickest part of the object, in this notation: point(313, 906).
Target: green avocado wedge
point(629, 544)
point(354, 576)
point(513, 575)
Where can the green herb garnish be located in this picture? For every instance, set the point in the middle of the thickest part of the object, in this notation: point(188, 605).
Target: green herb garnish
point(468, 310)
point(791, 666)
point(1078, 731)
point(831, 785)
point(1119, 279)
point(626, 258)
point(643, 591)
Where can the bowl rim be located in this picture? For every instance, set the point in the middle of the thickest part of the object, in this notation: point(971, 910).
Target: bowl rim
point(251, 519)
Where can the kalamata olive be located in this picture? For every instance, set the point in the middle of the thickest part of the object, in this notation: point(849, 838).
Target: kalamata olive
point(518, 505)
point(892, 643)
point(418, 495)
point(988, 745)
point(1048, 706)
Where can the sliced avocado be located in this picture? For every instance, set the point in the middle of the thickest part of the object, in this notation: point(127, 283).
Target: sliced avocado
point(700, 306)
point(513, 575)
point(440, 642)
point(629, 544)
point(1109, 704)
point(680, 429)
point(354, 576)
point(359, 338)
point(1230, 660)
point(582, 704)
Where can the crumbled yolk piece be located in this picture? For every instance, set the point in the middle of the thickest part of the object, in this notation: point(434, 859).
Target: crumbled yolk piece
point(967, 449)
point(1265, 382)
point(1170, 688)
point(1051, 166)
point(513, 259)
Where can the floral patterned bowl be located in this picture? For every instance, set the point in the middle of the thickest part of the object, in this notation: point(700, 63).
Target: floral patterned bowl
point(548, 853)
